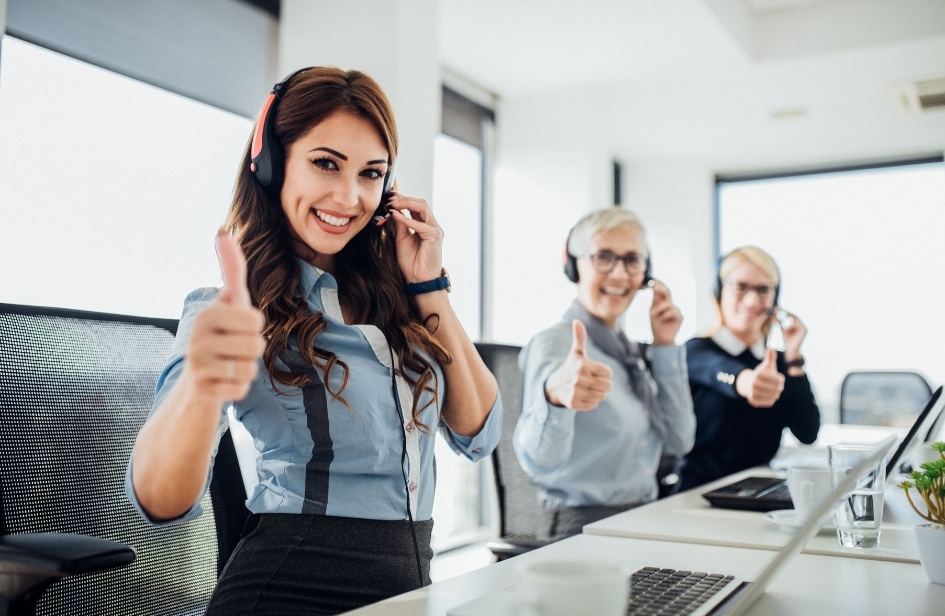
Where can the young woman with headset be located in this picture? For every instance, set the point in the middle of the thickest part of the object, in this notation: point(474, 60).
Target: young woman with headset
point(336, 339)
point(744, 393)
point(598, 409)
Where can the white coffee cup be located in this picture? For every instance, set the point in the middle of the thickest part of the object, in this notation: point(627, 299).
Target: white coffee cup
point(568, 587)
point(809, 486)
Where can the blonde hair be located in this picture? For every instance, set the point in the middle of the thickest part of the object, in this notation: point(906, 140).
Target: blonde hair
point(732, 261)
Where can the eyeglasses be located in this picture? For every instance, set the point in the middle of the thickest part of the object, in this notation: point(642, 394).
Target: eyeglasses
point(605, 262)
point(742, 289)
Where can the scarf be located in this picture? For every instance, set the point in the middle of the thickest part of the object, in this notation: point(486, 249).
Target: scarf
point(616, 344)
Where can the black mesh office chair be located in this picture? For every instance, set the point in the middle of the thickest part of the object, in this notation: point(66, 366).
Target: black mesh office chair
point(890, 398)
point(518, 498)
point(75, 387)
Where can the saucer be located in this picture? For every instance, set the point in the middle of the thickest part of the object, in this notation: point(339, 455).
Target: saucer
point(786, 520)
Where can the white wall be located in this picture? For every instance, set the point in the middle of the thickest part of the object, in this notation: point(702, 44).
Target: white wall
point(397, 46)
point(554, 164)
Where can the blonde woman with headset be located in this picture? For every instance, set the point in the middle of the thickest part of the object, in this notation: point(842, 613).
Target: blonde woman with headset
point(745, 393)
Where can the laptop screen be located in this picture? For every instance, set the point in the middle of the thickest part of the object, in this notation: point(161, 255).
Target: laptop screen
point(923, 425)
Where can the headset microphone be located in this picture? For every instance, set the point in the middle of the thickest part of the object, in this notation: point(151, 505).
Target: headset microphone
point(382, 214)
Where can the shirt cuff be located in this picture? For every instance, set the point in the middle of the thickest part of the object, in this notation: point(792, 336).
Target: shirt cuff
point(194, 511)
point(668, 360)
point(481, 445)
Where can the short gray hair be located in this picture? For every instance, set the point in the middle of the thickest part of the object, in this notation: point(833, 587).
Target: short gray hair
point(579, 240)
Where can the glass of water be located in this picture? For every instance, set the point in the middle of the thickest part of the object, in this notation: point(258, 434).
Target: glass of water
point(859, 515)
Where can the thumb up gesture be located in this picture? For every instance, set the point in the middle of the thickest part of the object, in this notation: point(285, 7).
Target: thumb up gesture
point(579, 383)
point(226, 342)
point(762, 386)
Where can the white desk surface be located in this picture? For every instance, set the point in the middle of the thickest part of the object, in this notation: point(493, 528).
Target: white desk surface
point(687, 517)
point(810, 584)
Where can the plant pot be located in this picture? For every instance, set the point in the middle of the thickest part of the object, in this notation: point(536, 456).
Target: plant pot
point(931, 540)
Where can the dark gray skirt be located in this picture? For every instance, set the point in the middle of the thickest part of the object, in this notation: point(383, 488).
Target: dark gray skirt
point(558, 524)
point(316, 564)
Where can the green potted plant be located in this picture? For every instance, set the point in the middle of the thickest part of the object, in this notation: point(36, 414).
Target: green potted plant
point(929, 482)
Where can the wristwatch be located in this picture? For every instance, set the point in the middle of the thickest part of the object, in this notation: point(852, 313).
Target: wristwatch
point(437, 284)
point(795, 363)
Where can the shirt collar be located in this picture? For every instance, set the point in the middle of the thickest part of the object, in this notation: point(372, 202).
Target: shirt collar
point(310, 276)
point(732, 345)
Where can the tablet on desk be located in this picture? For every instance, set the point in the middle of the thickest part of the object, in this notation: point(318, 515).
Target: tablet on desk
point(752, 494)
point(771, 493)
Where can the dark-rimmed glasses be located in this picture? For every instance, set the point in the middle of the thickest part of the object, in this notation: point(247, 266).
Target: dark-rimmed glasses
point(743, 288)
point(605, 262)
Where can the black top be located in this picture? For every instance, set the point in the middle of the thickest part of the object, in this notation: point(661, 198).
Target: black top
point(732, 435)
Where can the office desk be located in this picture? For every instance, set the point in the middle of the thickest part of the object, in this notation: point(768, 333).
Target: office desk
point(688, 518)
point(810, 584)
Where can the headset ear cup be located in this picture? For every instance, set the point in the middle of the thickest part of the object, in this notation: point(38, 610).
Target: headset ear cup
point(717, 285)
point(569, 260)
point(266, 158)
point(570, 266)
point(264, 151)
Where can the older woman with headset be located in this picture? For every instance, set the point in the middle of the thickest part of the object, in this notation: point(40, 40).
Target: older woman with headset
point(598, 409)
point(745, 393)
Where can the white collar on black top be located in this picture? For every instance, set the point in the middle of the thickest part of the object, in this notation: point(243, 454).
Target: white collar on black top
point(731, 344)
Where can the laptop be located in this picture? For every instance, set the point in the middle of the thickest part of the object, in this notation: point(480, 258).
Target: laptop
point(729, 595)
point(771, 493)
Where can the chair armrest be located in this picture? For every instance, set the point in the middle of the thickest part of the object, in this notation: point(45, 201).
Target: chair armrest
point(506, 547)
point(29, 562)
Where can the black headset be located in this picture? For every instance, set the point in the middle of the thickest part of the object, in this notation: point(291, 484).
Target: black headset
point(266, 159)
point(717, 287)
point(571, 270)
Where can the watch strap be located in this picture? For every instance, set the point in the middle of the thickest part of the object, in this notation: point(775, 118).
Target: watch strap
point(437, 284)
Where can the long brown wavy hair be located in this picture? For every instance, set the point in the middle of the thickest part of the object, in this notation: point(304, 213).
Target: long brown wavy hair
point(370, 283)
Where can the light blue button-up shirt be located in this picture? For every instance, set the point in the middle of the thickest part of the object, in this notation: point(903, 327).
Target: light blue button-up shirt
point(316, 455)
point(609, 455)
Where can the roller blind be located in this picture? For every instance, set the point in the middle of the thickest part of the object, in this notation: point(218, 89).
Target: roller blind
point(220, 52)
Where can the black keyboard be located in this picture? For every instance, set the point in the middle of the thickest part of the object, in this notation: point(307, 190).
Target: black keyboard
point(668, 591)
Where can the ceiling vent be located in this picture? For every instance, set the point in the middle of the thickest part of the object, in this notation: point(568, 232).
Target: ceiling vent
point(921, 96)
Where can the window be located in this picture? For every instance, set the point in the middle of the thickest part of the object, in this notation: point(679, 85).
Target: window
point(860, 253)
point(462, 508)
point(108, 185)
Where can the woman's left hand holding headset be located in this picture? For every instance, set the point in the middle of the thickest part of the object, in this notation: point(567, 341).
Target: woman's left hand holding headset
point(419, 238)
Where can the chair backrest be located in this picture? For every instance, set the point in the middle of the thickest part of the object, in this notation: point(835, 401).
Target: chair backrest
point(75, 388)
point(885, 398)
point(518, 498)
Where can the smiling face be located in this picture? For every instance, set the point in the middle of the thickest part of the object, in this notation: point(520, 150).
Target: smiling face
point(747, 296)
point(334, 174)
point(607, 296)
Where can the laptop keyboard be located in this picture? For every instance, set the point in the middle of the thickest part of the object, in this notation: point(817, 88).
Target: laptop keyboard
point(668, 591)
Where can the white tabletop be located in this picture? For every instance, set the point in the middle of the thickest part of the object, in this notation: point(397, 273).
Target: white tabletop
point(687, 517)
point(810, 584)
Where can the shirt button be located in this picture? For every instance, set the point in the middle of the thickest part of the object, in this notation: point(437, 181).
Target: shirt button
point(477, 450)
point(411, 427)
point(412, 487)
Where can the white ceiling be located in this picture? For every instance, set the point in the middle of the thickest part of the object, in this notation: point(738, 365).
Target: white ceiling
point(747, 85)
